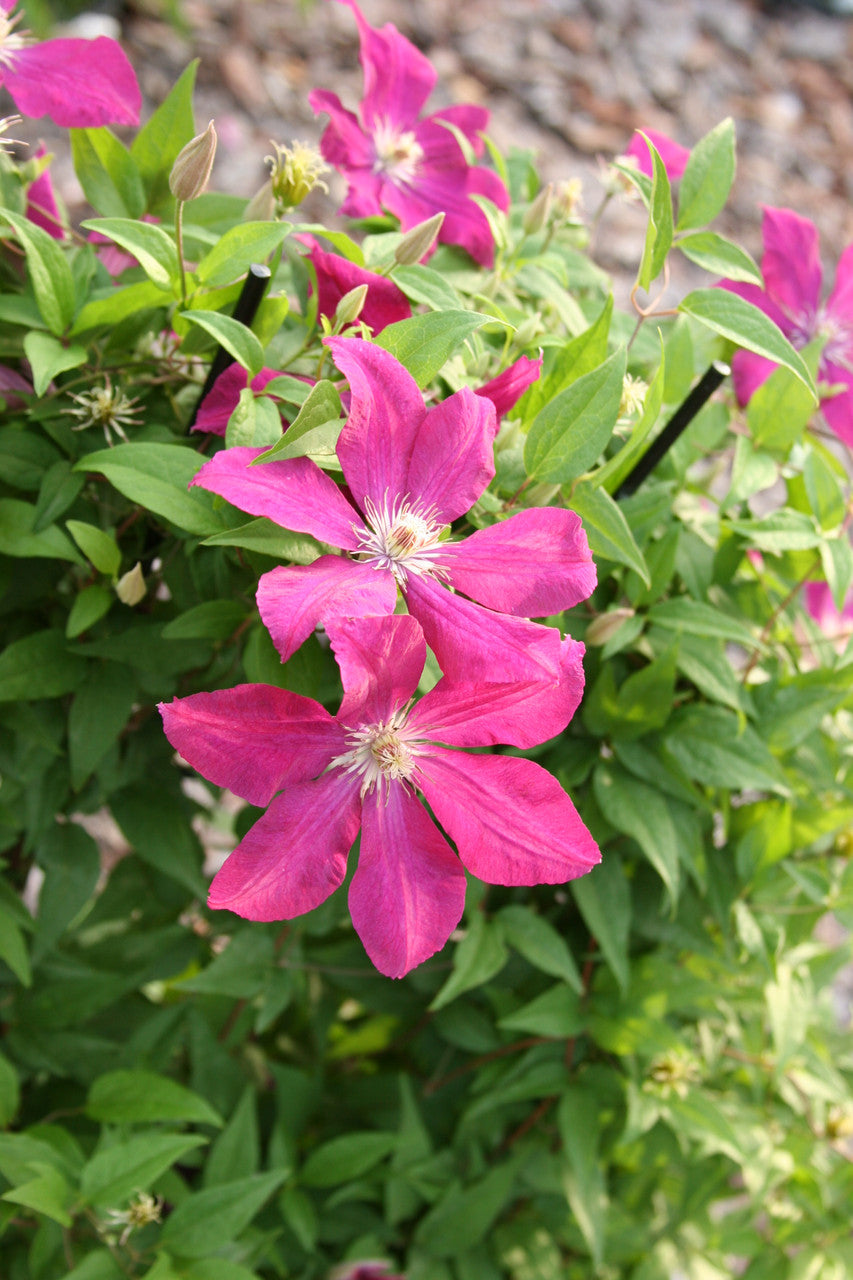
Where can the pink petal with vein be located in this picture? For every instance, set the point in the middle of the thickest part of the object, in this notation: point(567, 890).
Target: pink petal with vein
point(534, 564)
point(381, 660)
point(408, 892)
point(398, 78)
point(385, 304)
point(791, 262)
point(508, 387)
point(673, 155)
point(253, 738)
point(293, 600)
point(295, 494)
point(838, 409)
point(78, 83)
point(452, 459)
point(511, 820)
point(296, 853)
point(223, 397)
point(386, 412)
point(748, 373)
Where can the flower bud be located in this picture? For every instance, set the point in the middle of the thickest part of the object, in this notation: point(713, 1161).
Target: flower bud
point(295, 172)
point(131, 587)
point(536, 214)
point(350, 307)
point(261, 207)
point(605, 626)
point(418, 242)
point(192, 167)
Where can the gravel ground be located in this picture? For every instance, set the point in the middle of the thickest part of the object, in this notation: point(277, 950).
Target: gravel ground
point(570, 79)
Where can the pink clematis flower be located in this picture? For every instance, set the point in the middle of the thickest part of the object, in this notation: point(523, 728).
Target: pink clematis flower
point(223, 397)
point(792, 299)
point(77, 83)
point(508, 387)
point(820, 604)
point(393, 159)
point(324, 777)
point(385, 304)
point(672, 153)
point(410, 472)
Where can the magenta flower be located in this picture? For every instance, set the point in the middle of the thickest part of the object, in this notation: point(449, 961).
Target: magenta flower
point(11, 383)
point(78, 83)
point(820, 604)
point(324, 777)
point(792, 299)
point(42, 208)
point(385, 303)
point(410, 472)
point(674, 156)
point(508, 387)
point(393, 159)
point(223, 397)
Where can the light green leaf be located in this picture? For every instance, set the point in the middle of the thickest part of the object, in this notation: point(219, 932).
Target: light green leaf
point(568, 435)
point(97, 545)
point(121, 1097)
point(217, 1216)
point(157, 476)
point(155, 147)
point(607, 529)
point(640, 811)
point(720, 256)
point(556, 1012)
point(604, 902)
point(781, 408)
point(152, 247)
point(425, 343)
point(659, 229)
point(17, 539)
point(117, 305)
point(236, 338)
point(464, 1214)
point(707, 178)
point(425, 285)
point(107, 173)
point(13, 949)
point(237, 1150)
point(117, 1172)
point(579, 356)
point(714, 747)
point(270, 539)
point(242, 245)
point(89, 606)
point(579, 1129)
point(611, 474)
point(48, 357)
point(746, 326)
point(49, 272)
point(478, 957)
point(48, 1193)
point(783, 530)
point(533, 937)
point(317, 422)
point(700, 619)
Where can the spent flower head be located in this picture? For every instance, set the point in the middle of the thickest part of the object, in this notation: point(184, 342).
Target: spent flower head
point(295, 172)
point(6, 144)
point(107, 407)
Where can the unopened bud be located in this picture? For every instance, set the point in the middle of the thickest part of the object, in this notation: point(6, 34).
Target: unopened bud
point(536, 214)
point(192, 167)
point(261, 207)
point(295, 172)
point(634, 391)
point(605, 626)
point(350, 307)
point(418, 242)
point(528, 331)
point(131, 587)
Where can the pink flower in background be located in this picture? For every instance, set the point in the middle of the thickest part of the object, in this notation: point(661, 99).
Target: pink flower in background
point(822, 607)
point(77, 83)
point(223, 397)
point(385, 304)
point(42, 209)
point(395, 159)
point(324, 777)
point(410, 472)
point(793, 278)
point(508, 387)
point(674, 156)
point(10, 383)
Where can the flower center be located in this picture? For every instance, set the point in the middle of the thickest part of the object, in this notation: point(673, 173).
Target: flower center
point(11, 41)
point(400, 536)
point(397, 155)
point(381, 753)
point(838, 348)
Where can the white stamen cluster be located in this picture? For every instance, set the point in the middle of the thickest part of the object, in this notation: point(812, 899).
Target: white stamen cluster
point(381, 753)
point(400, 536)
point(398, 155)
point(11, 41)
point(105, 407)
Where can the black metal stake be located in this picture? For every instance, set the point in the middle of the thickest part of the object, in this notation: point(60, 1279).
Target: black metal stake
point(254, 287)
point(683, 416)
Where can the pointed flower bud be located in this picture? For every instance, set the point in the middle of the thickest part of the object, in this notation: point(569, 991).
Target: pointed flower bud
point(536, 214)
point(350, 307)
point(131, 587)
point(193, 164)
point(261, 207)
point(295, 172)
point(602, 628)
point(418, 242)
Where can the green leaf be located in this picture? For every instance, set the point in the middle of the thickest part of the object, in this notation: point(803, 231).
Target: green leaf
point(346, 1158)
point(270, 539)
point(779, 411)
point(48, 1193)
point(122, 1097)
point(156, 824)
point(712, 746)
point(100, 710)
point(157, 477)
point(117, 305)
point(556, 1012)
point(608, 531)
point(213, 620)
point(10, 1092)
point(39, 665)
point(13, 949)
point(783, 530)
point(90, 605)
point(49, 272)
point(18, 539)
point(611, 474)
point(155, 147)
point(579, 1129)
point(539, 942)
point(720, 256)
point(236, 338)
point(748, 327)
point(72, 865)
point(640, 811)
point(242, 245)
point(568, 435)
point(477, 958)
point(107, 173)
point(604, 902)
point(240, 971)
point(707, 178)
point(152, 247)
point(217, 1216)
point(425, 343)
point(464, 1215)
point(825, 490)
point(659, 229)
point(699, 619)
point(427, 286)
point(48, 357)
point(117, 1172)
point(237, 1150)
point(317, 422)
point(579, 356)
point(97, 545)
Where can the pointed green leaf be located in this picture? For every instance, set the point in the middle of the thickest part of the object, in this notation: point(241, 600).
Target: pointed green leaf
point(152, 247)
point(425, 343)
point(659, 229)
point(156, 145)
point(747, 327)
point(568, 435)
point(49, 272)
point(708, 177)
point(236, 338)
point(211, 1219)
point(121, 1097)
point(720, 256)
point(242, 245)
point(107, 173)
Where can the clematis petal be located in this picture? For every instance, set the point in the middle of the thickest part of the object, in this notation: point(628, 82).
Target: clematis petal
point(839, 304)
point(295, 494)
point(223, 397)
point(536, 563)
point(408, 892)
point(838, 409)
point(381, 660)
point(398, 78)
point(672, 153)
point(791, 262)
point(449, 191)
point(508, 387)
point(42, 209)
point(452, 460)
point(385, 304)
point(758, 298)
point(386, 412)
point(296, 853)
point(510, 819)
point(78, 83)
point(748, 373)
point(293, 600)
point(470, 120)
point(253, 738)
point(344, 143)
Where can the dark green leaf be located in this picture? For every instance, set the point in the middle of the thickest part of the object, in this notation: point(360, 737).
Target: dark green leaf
point(132, 1096)
point(215, 1217)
